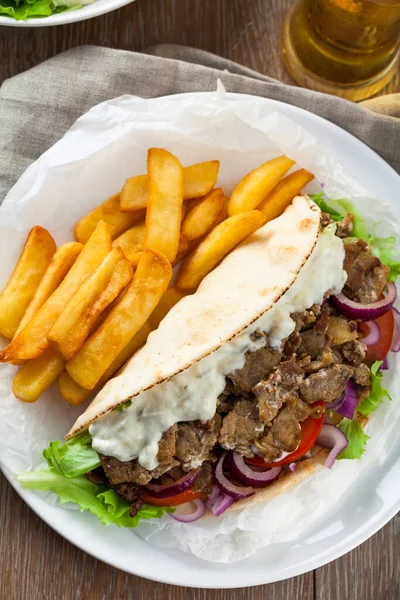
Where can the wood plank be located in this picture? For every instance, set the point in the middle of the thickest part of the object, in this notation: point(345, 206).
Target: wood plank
point(245, 31)
point(370, 572)
point(41, 565)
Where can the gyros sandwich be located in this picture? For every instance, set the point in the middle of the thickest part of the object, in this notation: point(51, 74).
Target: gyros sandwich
point(266, 373)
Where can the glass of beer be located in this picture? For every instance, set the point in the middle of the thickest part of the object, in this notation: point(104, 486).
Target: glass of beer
point(345, 47)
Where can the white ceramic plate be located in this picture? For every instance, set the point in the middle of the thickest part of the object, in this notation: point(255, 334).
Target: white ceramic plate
point(99, 7)
point(368, 505)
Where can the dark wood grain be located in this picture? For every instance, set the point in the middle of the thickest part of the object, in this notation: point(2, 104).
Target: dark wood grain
point(245, 31)
point(36, 563)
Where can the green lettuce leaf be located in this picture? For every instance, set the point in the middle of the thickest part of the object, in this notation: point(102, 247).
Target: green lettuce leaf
point(73, 458)
point(356, 437)
point(26, 9)
point(351, 428)
point(377, 394)
point(359, 227)
point(320, 201)
point(384, 248)
point(107, 505)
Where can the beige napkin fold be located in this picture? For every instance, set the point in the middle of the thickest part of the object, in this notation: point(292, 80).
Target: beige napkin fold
point(388, 105)
point(38, 106)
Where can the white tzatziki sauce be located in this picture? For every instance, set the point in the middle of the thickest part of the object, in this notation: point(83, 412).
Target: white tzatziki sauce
point(192, 394)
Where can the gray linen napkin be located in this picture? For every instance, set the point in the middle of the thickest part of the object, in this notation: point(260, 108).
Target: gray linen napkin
point(38, 106)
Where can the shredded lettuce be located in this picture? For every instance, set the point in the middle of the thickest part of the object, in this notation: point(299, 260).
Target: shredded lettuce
point(378, 392)
point(26, 9)
point(73, 458)
point(356, 437)
point(384, 248)
point(106, 504)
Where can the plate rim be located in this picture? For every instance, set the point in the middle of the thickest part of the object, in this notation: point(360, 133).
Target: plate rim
point(343, 547)
point(88, 11)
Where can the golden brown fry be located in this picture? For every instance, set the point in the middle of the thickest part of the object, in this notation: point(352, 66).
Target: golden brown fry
point(164, 210)
point(167, 301)
point(32, 340)
point(60, 264)
point(35, 257)
point(198, 180)
point(71, 391)
point(37, 375)
point(125, 319)
point(110, 213)
point(73, 326)
point(283, 193)
point(203, 216)
point(134, 193)
point(131, 242)
point(75, 394)
point(215, 246)
point(135, 258)
point(257, 184)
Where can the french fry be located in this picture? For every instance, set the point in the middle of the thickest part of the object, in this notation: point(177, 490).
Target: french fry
point(71, 391)
point(35, 257)
point(131, 242)
point(135, 258)
point(75, 394)
point(134, 194)
point(215, 246)
point(257, 184)
point(110, 213)
point(37, 375)
point(203, 216)
point(164, 210)
point(73, 326)
point(125, 319)
point(167, 301)
point(283, 193)
point(198, 180)
point(60, 264)
point(32, 340)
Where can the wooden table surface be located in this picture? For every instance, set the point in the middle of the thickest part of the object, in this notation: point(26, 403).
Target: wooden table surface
point(36, 563)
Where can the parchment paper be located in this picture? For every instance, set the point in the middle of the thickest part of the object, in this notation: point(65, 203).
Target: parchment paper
point(90, 163)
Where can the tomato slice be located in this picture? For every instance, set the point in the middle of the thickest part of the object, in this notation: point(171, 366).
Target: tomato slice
point(186, 496)
point(310, 428)
point(379, 350)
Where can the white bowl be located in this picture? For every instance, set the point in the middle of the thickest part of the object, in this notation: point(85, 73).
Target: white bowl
point(99, 7)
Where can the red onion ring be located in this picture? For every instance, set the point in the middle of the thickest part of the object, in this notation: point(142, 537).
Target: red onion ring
point(331, 437)
point(191, 517)
point(335, 404)
point(366, 312)
point(385, 365)
point(396, 333)
point(236, 491)
point(292, 467)
point(348, 406)
point(218, 502)
point(374, 333)
point(243, 473)
point(174, 488)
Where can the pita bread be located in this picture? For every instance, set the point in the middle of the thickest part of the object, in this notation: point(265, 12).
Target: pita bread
point(246, 284)
point(305, 468)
